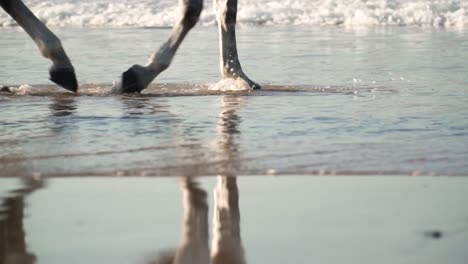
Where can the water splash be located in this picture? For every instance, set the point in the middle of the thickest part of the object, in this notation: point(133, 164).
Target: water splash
point(230, 84)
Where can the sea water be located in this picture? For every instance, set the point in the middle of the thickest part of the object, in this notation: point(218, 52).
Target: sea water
point(350, 87)
point(379, 100)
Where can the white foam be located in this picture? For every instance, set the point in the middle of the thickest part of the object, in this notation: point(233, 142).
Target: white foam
point(24, 89)
point(229, 84)
point(162, 13)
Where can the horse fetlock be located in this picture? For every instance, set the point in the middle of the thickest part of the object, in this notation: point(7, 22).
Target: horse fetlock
point(51, 48)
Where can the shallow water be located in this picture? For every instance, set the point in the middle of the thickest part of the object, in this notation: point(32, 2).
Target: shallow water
point(246, 219)
point(336, 101)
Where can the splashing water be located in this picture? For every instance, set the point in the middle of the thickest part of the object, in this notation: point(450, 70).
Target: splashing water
point(230, 84)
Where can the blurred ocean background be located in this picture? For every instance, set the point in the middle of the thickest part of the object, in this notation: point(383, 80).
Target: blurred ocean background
point(162, 13)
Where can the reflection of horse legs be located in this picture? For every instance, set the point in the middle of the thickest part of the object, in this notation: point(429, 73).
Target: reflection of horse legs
point(12, 237)
point(193, 248)
point(227, 244)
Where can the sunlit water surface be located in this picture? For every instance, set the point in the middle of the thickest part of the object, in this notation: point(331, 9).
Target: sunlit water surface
point(335, 101)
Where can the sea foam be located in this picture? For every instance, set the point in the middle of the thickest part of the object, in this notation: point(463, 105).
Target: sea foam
point(162, 13)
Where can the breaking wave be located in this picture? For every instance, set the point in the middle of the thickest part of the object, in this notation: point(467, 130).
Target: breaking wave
point(162, 13)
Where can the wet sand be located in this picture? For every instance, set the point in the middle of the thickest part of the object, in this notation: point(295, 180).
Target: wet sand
point(293, 219)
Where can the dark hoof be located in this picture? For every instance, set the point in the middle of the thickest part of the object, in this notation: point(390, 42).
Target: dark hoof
point(5, 89)
point(256, 86)
point(65, 78)
point(130, 81)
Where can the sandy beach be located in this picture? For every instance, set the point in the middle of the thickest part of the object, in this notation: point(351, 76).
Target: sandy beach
point(296, 219)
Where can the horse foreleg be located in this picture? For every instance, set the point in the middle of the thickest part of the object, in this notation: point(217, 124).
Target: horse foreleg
point(226, 15)
point(138, 77)
point(62, 71)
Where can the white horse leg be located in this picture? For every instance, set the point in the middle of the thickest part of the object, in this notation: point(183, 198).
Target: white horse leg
point(226, 15)
point(139, 77)
point(62, 71)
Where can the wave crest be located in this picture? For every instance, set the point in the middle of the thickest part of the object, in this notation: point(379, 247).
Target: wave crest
point(162, 13)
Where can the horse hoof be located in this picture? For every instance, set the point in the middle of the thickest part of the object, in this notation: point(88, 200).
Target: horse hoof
point(131, 82)
point(64, 77)
point(255, 86)
point(5, 89)
point(251, 84)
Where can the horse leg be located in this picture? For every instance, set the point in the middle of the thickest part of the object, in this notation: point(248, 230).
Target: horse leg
point(226, 15)
point(138, 77)
point(62, 71)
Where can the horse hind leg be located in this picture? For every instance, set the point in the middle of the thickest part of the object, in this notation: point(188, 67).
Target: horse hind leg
point(62, 71)
point(138, 77)
point(226, 16)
